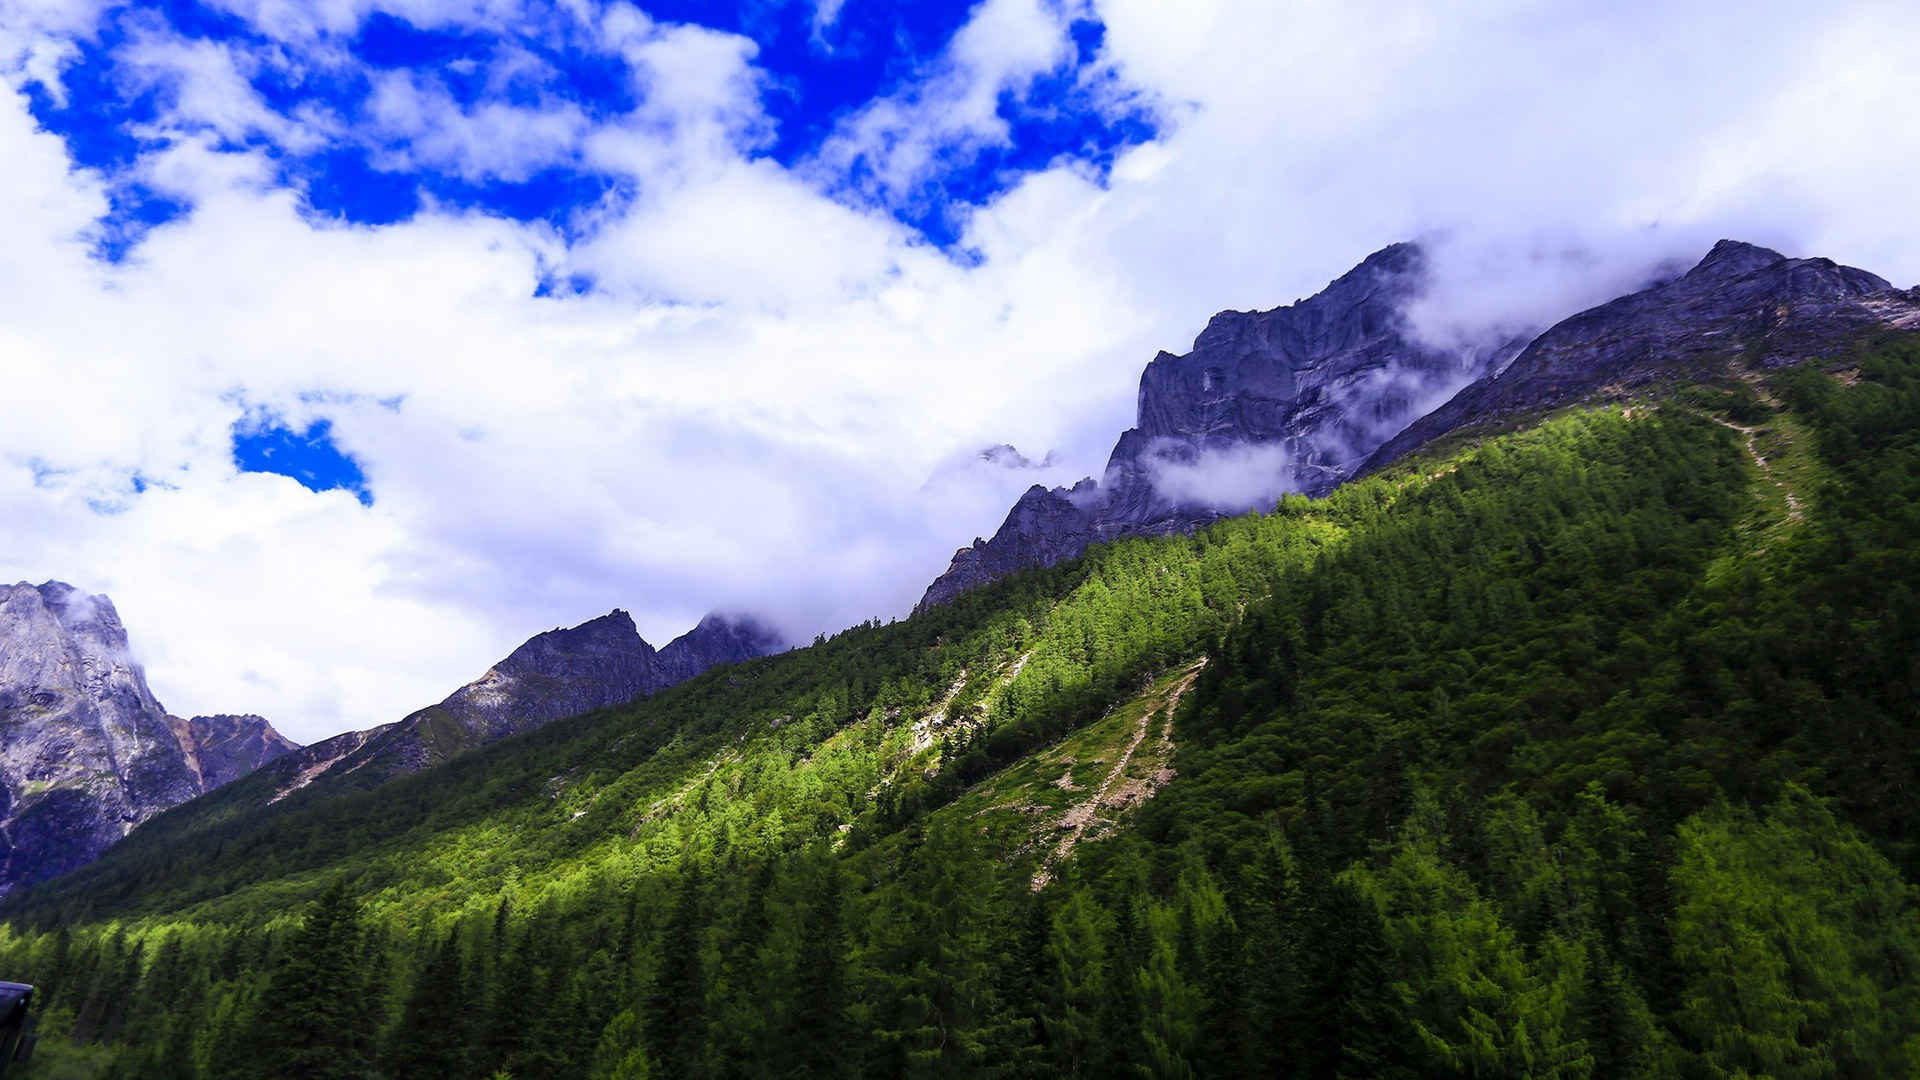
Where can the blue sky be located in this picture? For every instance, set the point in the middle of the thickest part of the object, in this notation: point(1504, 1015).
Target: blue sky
point(310, 457)
point(814, 73)
point(348, 343)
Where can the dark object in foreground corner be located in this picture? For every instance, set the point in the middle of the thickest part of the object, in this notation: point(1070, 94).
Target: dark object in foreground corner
point(16, 1029)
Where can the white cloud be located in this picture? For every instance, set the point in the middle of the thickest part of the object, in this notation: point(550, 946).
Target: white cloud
point(484, 141)
point(825, 14)
point(205, 84)
point(748, 412)
point(36, 38)
point(1230, 479)
point(893, 144)
point(304, 20)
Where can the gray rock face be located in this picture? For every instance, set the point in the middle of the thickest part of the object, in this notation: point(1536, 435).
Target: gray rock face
point(560, 673)
point(1267, 402)
point(1740, 299)
point(86, 753)
point(1045, 527)
point(225, 747)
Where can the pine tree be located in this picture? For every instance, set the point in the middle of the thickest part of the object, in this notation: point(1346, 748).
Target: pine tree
point(1121, 1009)
point(1028, 985)
point(434, 1034)
point(740, 1032)
point(1077, 960)
point(817, 1031)
point(675, 1009)
point(103, 988)
point(1363, 1017)
point(312, 1021)
point(1227, 1041)
point(619, 1054)
point(512, 984)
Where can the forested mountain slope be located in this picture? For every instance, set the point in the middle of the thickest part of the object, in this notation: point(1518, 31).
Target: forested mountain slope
point(1583, 749)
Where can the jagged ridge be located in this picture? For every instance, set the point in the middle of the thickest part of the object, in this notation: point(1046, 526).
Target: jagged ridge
point(1739, 298)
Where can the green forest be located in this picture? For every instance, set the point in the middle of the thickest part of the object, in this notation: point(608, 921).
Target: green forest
point(1584, 746)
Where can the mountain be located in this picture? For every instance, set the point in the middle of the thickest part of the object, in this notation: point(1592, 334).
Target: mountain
point(1300, 398)
point(1740, 299)
point(225, 747)
point(1585, 746)
point(1291, 399)
point(562, 672)
point(717, 639)
point(86, 753)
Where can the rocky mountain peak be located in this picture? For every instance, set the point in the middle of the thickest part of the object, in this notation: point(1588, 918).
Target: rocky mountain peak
point(59, 636)
point(1247, 367)
point(1007, 457)
point(86, 752)
point(1730, 259)
point(611, 644)
point(1289, 399)
point(1304, 396)
point(567, 670)
point(224, 747)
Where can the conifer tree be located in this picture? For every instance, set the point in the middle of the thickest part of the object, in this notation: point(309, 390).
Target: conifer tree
point(675, 1008)
point(433, 1036)
point(1028, 984)
point(1077, 943)
point(815, 1041)
point(312, 1021)
point(103, 989)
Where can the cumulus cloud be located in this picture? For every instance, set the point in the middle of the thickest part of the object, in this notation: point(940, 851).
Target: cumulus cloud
point(205, 86)
point(425, 126)
point(893, 146)
point(745, 411)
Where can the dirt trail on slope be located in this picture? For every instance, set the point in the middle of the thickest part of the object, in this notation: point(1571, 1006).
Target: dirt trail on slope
point(1753, 451)
point(1084, 813)
point(1753, 447)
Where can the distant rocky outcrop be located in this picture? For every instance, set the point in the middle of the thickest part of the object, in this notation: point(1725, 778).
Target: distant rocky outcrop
point(225, 747)
point(1291, 399)
point(1046, 526)
point(1739, 300)
point(559, 673)
point(86, 753)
